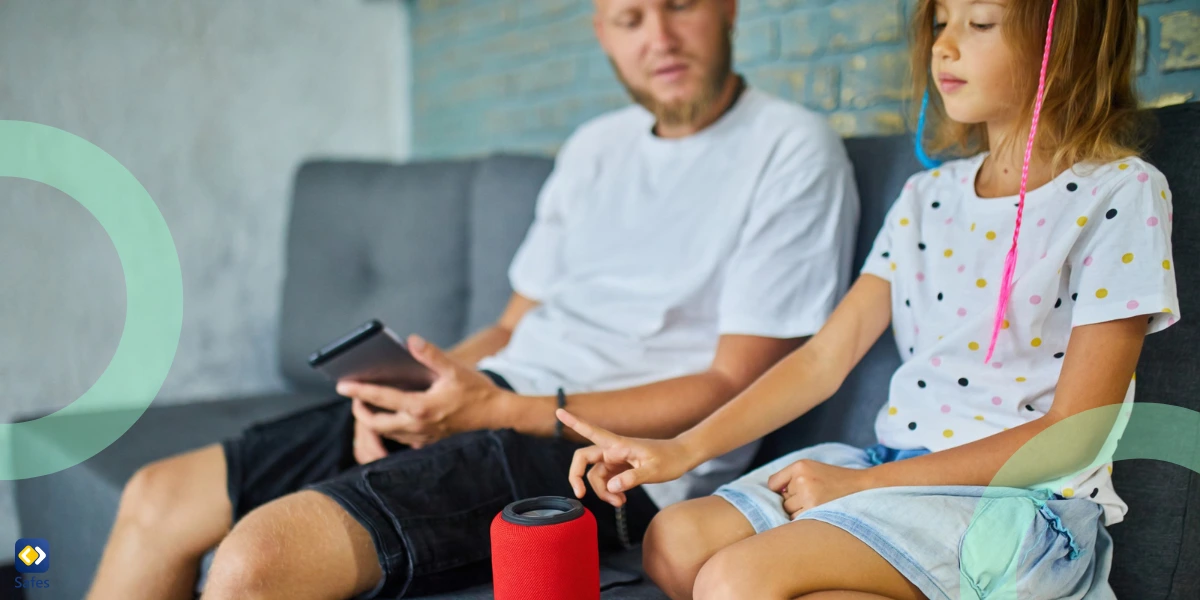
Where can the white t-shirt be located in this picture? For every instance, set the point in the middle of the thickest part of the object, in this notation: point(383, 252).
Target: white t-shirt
point(1094, 247)
point(645, 250)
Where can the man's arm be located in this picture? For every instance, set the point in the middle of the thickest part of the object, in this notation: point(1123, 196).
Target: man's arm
point(662, 409)
point(493, 338)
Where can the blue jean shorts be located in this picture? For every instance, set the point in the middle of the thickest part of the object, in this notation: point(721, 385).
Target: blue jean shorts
point(952, 542)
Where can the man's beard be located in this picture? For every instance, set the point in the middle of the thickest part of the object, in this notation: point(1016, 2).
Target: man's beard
point(686, 112)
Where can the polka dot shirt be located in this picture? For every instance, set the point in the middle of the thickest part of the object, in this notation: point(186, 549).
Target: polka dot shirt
point(1094, 247)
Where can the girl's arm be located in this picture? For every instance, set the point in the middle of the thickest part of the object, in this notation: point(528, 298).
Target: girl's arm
point(1097, 371)
point(798, 383)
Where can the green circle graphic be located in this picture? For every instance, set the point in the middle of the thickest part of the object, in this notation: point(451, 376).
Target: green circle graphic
point(153, 300)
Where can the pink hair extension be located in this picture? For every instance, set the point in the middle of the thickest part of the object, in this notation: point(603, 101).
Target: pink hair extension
point(1010, 262)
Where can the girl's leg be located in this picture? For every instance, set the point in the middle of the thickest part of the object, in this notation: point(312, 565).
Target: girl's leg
point(802, 557)
point(684, 536)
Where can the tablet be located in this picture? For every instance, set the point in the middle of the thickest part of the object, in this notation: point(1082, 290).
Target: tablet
point(372, 353)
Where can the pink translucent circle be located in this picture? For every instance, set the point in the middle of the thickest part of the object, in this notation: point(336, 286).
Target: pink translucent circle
point(962, 312)
point(1035, 299)
point(1152, 221)
point(945, 408)
point(1087, 262)
point(997, 365)
point(962, 268)
point(937, 362)
point(1133, 304)
point(1142, 177)
point(1041, 222)
point(950, 220)
point(920, 277)
point(996, 400)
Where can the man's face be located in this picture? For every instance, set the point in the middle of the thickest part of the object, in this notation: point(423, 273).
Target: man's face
point(673, 56)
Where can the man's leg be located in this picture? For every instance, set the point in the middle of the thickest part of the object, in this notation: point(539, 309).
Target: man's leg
point(171, 513)
point(684, 536)
point(301, 546)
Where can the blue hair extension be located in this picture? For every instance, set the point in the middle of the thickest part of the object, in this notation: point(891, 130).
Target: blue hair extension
point(925, 159)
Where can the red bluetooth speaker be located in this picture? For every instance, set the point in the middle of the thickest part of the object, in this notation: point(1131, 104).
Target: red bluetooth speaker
point(545, 549)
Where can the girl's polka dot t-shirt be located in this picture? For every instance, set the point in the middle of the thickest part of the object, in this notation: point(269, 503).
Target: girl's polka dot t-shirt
point(1094, 247)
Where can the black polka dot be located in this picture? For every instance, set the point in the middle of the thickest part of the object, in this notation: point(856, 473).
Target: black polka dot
point(939, 296)
point(1112, 212)
point(963, 381)
point(1072, 187)
point(911, 350)
point(1074, 296)
point(1059, 354)
point(1029, 407)
point(1017, 204)
point(1058, 303)
point(921, 383)
point(912, 426)
point(907, 303)
point(1150, 320)
point(1094, 492)
point(921, 245)
point(887, 254)
point(936, 205)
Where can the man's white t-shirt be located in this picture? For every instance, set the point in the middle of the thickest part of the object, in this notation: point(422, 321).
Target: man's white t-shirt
point(645, 250)
point(1095, 246)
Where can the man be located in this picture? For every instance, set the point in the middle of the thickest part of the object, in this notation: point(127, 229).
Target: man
point(680, 248)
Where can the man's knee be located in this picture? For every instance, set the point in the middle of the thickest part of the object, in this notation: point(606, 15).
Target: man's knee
point(242, 567)
point(674, 548)
point(150, 498)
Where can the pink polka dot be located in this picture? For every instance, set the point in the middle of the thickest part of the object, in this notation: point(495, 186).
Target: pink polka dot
point(916, 330)
point(950, 220)
point(920, 277)
point(1170, 320)
point(1035, 299)
point(1094, 190)
point(997, 365)
point(962, 268)
point(996, 400)
point(964, 179)
point(1152, 221)
point(1041, 222)
point(1133, 304)
point(937, 362)
point(1171, 217)
point(962, 312)
point(945, 408)
point(1142, 177)
point(908, 186)
point(1087, 262)
point(1043, 255)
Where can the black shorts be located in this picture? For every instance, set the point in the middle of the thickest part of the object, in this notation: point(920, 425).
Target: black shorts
point(428, 511)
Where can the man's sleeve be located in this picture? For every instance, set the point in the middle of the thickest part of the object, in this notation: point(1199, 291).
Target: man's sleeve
point(792, 262)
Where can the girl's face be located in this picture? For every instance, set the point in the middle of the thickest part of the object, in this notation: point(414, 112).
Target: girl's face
point(972, 65)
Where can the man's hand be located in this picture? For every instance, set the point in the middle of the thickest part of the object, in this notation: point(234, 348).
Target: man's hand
point(460, 399)
point(621, 463)
point(807, 484)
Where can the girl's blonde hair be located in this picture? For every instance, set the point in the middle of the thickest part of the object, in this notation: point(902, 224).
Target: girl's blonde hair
point(1089, 109)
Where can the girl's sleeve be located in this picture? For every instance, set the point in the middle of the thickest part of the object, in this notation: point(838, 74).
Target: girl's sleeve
point(1121, 266)
point(880, 261)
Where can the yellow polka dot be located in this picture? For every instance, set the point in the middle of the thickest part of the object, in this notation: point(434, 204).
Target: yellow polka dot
point(1122, 166)
point(893, 266)
point(1004, 325)
point(972, 227)
point(991, 235)
point(1167, 310)
point(1134, 378)
point(1081, 221)
point(1068, 492)
point(940, 337)
point(1020, 380)
point(892, 410)
point(903, 222)
point(948, 433)
point(978, 417)
point(948, 253)
point(1164, 194)
point(973, 346)
point(1128, 258)
point(1101, 293)
point(1167, 265)
point(936, 172)
point(981, 283)
point(1110, 469)
point(1036, 342)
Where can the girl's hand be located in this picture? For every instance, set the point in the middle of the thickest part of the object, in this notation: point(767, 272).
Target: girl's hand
point(621, 463)
point(807, 484)
point(368, 446)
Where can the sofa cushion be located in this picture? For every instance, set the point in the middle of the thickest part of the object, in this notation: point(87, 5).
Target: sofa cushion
point(502, 198)
point(373, 240)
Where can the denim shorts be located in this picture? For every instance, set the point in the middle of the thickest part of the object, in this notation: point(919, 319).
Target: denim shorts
point(952, 541)
point(428, 511)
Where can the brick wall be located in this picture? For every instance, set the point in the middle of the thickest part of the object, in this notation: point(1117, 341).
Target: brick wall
point(522, 74)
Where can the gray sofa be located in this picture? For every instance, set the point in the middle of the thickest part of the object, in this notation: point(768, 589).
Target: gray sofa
point(425, 247)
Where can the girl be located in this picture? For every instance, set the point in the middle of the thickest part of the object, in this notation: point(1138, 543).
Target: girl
point(1092, 278)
